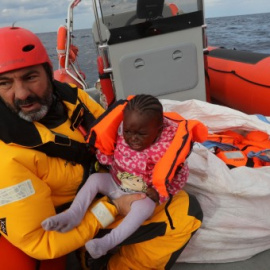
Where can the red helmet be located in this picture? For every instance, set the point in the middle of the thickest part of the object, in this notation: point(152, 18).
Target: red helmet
point(20, 48)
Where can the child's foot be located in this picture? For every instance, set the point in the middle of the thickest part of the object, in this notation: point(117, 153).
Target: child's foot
point(62, 222)
point(95, 250)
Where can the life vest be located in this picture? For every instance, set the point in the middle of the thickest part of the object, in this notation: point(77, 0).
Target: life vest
point(103, 136)
point(237, 150)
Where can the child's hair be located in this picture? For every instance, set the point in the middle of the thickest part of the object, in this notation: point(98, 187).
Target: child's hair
point(146, 103)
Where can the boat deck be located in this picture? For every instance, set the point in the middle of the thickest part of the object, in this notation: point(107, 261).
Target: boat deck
point(258, 262)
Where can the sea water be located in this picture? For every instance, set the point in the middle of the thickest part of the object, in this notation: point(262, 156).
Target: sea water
point(245, 32)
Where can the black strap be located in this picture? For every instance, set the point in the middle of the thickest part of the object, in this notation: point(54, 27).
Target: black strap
point(70, 150)
point(167, 205)
point(82, 117)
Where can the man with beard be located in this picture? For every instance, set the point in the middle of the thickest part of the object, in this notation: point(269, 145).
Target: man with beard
point(45, 160)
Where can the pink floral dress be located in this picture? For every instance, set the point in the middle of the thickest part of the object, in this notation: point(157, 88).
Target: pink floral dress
point(132, 170)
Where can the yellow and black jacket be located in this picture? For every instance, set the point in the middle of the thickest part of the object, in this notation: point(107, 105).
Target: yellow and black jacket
point(41, 169)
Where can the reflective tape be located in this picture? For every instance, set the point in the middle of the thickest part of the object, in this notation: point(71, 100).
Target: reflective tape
point(102, 214)
point(16, 193)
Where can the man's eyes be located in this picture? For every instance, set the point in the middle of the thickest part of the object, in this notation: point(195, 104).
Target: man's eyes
point(5, 84)
point(31, 77)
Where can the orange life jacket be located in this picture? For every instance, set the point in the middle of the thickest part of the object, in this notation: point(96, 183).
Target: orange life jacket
point(245, 150)
point(103, 136)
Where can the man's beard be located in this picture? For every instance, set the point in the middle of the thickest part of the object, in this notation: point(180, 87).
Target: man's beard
point(35, 115)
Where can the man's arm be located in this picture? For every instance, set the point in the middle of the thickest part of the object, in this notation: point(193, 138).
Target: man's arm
point(27, 202)
point(26, 199)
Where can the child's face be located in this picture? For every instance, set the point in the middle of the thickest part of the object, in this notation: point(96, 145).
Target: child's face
point(140, 130)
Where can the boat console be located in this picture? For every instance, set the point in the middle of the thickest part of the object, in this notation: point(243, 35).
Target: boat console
point(152, 47)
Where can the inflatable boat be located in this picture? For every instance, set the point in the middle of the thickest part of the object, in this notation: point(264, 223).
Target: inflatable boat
point(239, 79)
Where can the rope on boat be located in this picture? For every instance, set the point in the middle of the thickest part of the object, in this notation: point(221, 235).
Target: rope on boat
point(233, 72)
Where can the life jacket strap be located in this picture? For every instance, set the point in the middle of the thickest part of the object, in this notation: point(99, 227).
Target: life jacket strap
point(263, 155)
point(263, 118)
point(82, 118)
point(167, 211)
point(66, 149)
point(223, 146)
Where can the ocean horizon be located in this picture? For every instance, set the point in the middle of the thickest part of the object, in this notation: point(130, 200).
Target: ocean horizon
point(243, 32)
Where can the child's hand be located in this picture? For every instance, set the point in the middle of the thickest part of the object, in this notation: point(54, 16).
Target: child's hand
point(152, 194)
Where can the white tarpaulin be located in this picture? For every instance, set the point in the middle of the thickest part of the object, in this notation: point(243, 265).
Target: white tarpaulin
point(235, 202)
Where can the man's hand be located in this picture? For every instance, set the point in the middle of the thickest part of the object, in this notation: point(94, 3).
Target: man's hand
point(124, 202)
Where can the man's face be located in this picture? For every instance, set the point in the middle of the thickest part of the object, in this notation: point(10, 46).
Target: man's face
point(27, 92)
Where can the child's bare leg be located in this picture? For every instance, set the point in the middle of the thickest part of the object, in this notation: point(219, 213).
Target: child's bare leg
point(67, 220)
point(140, 211)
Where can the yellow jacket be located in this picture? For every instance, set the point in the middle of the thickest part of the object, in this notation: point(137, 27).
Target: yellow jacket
point(33, 183)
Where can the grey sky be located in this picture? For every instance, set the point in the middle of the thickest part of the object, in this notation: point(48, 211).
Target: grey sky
point(47, 15)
